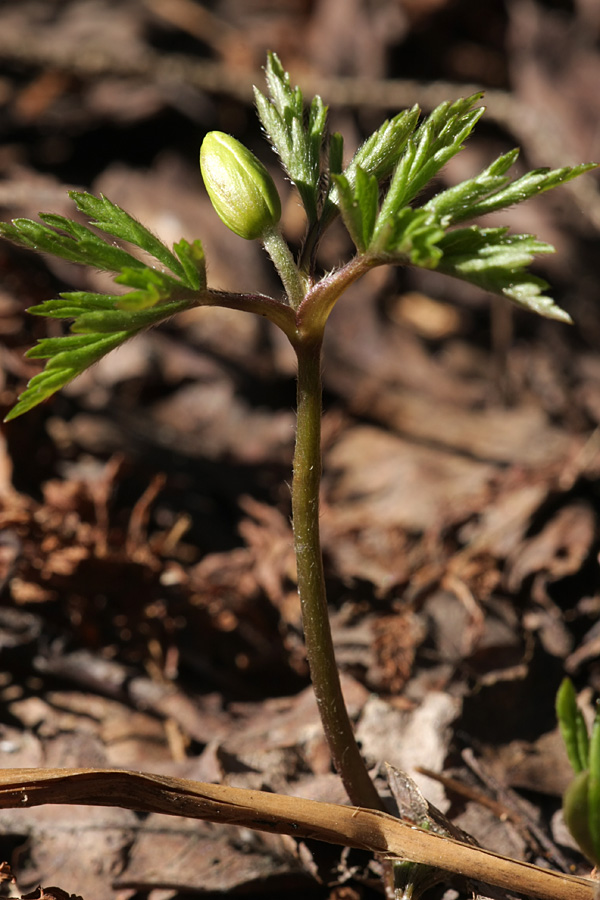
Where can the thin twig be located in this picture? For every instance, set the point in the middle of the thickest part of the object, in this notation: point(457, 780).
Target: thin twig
point(366, 829)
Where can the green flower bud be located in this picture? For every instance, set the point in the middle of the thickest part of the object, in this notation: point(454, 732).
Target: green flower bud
point(576, 813)
point(240, 188)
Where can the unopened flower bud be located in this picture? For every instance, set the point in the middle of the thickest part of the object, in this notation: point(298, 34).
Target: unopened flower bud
point(240, 188)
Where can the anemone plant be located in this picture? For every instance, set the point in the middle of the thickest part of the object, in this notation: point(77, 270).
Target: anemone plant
point(377, 194)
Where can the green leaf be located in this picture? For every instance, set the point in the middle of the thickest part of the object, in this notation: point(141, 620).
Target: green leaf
point(96, 331)
point(583, 739)
point(381, 151)
point(438, 139)
point(535, 182)
point(70, 304)
point(193, 261)
point(66, 363)
point(336, 153)
point(296, 138)
point(451, 205)
point(410, 236)
point(78, 244)
point(572, 727)
point(594, 784)
point(377, 156)
point(359, 206)
point(103, 321)
point(111, 219)
point(153, 287)
point(489, 191)
point(497, 261)
point(114, 320)
point(576, 812)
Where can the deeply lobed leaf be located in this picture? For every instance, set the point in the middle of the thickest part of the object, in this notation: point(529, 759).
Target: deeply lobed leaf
point(103, 321)
point(68, 357)
point(78, 244)
point(489, 191)
point(111, 219)
point(377, 156)
point(298, 142)
point(381, 151)
point(451, 206)
point(98, 328)
point(75, 242)
point(495, 260)
point(438, 139)
point(489, 258)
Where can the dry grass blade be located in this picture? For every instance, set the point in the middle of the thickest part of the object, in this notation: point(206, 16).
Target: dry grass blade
point(349, 826)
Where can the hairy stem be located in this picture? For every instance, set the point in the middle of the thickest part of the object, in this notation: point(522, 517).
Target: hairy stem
point(311, 584)
point(260, 304)
point(283, 261)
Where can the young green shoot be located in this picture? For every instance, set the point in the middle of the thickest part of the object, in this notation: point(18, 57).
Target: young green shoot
point(581, 802)
point(377, 195)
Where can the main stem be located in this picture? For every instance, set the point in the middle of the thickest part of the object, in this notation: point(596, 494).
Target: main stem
point(311, 583)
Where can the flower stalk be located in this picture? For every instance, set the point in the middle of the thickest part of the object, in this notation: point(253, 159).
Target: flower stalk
point(282, 259)
point(311, 581)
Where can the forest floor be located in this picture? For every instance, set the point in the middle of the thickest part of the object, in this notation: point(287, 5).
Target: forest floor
point(149, 618)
